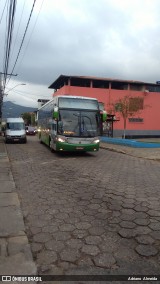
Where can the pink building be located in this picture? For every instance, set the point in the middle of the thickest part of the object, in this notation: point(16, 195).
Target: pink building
point(107, 90)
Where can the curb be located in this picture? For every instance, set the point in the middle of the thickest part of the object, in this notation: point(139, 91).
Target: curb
point(113, 149)
point(110, 148)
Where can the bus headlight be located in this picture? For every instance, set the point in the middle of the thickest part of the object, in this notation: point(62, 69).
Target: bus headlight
point(96, 141)
point(60, 139)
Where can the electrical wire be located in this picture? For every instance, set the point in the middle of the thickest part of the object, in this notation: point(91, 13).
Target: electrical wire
point(23, 39)
point(11, 17)
point(5, 44)
point(18, 29)
point(29, 93)
point(9, 36)
point(3, 11)
point(30, 36)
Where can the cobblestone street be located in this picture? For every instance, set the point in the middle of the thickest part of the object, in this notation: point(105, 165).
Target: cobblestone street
point(94, 213)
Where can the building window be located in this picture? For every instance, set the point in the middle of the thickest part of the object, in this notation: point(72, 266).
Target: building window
point(119, 86)
point(136, 87)
point(135, 119)
point(153, 88)
point(136, 103)
point(100, 84)
point(78, 82)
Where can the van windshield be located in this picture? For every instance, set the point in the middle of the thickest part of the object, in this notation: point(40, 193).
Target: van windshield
point(15, 125)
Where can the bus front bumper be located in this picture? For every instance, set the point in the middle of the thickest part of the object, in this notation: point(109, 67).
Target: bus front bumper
point(63, 146)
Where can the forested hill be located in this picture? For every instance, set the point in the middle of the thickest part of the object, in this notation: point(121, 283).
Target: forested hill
point(10, 109)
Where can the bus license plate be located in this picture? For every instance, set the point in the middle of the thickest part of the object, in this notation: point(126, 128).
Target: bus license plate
point(79, 148)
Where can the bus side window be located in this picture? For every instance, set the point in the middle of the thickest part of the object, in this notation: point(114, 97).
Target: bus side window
point(54, 127)
point(8, 126)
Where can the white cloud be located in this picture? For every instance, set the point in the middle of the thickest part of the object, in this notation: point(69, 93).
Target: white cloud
point(26, 95)
point(109, 38)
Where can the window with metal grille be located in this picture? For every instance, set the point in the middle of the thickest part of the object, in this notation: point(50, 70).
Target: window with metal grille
point(135, 119)
point(136, 103)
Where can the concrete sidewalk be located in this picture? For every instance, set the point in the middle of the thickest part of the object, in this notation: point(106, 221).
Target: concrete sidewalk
point(15, 253)
point(145, 153)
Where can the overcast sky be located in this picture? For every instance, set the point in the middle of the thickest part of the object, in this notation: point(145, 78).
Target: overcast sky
point(102, 38)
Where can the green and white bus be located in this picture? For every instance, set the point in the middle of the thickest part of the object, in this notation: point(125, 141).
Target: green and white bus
point(70, 123)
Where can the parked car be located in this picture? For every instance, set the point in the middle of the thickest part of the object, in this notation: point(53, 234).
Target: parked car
point(30, 130)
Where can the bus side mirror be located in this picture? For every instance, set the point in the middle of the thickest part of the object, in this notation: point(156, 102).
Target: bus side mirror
point(104, 116)
point(55, 113)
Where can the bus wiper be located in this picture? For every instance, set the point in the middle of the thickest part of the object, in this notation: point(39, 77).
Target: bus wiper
point(82, 127)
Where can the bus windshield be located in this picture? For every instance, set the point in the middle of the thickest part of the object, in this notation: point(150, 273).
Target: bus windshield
point(78, 123)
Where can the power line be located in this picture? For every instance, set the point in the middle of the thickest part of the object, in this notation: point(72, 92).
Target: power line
point(23, 37)
point(29, 93)
point(18, 29)
point(31, 35)
point(5, 45)
point(11, 17)
point(10, 20)
point(3, 11)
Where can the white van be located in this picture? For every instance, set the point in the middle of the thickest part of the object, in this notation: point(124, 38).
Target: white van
point(15, 130)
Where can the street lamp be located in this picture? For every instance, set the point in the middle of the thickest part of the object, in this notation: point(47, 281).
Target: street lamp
point(22, 84)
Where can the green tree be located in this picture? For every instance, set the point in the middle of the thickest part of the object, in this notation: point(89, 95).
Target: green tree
point(27, 118)
point(33, 122)
point(127, 107)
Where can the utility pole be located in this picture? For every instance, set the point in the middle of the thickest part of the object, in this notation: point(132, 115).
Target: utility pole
point(2, 94)
point(1, 99)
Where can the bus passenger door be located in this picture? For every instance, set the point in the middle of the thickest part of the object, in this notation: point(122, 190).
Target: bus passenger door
point(54, 135)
